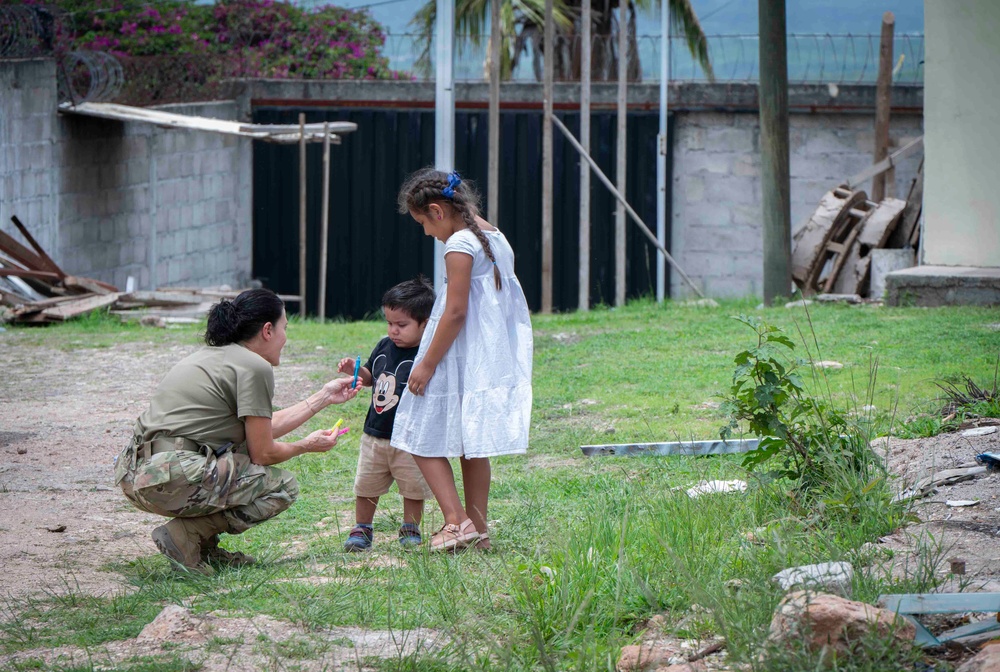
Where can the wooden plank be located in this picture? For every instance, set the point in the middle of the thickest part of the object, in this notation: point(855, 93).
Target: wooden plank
point(547, 160)
point(50, 265)
point(20, 253)
point(883, 92)
point(711, 447)
point(886, 163)
point(88, 285)
point(880, 223)
point(903, 232)
point(812, 238)
point(80, 306)
point(160, 298)
point(21, 273)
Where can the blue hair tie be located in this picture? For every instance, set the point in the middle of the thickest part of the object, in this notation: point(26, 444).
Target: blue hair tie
point(453, 181)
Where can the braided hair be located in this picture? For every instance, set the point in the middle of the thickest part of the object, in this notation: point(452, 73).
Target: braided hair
point(428, 186)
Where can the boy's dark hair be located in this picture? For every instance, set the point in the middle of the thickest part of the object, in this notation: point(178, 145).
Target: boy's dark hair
point(414, 297)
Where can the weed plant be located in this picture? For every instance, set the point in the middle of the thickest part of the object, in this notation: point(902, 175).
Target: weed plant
point(586, 550)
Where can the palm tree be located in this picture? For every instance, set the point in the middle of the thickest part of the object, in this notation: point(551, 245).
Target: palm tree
point(522, 24)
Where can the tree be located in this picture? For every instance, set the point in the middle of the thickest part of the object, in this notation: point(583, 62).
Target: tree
point(523, 24)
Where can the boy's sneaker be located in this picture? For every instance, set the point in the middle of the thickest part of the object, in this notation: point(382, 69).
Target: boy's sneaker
point(409, 535)
point(360, 539)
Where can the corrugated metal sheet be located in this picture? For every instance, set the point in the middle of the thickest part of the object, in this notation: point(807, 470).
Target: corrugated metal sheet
point(371, 247)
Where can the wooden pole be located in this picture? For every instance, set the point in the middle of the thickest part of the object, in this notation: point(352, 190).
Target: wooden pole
point(621, 199)
point(775, 201)
point(620, 168)
point(883, 92)
point(550, 57)
point(302, 214)
point(324, 222)
point(493, 179)
point(586, 49)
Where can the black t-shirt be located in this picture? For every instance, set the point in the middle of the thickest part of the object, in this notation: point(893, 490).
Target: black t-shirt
point(390, 367)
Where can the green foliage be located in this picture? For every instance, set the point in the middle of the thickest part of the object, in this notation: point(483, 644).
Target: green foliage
point(806, 435)
point(249, 38)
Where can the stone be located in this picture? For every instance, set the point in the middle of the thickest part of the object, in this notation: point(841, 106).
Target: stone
point(980, 431)
point(886, 261)
point(799, 304)
point(645, 656)
point(987, 660)
point(828, 364)
point(834, 577)
point(831, 622)
point(174, 624)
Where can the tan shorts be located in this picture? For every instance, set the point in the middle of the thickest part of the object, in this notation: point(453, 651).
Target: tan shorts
point(379, 464)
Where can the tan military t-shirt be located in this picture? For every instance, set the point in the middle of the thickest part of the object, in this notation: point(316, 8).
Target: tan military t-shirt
point(206, 395)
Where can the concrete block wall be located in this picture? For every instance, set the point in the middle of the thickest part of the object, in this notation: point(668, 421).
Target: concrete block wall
point(28, 150)
point(716, 230)
point(109, 199)
point(169, 207)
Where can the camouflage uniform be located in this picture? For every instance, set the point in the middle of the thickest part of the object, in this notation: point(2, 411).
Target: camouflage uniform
point(181, 462)
point(189, 484)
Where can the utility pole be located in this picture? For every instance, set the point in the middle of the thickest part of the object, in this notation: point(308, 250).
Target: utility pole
point(775, 201)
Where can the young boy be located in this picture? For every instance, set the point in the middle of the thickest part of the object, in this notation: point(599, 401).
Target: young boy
point(407, 306)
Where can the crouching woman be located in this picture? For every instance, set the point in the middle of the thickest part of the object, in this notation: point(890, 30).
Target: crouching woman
point(202, 453)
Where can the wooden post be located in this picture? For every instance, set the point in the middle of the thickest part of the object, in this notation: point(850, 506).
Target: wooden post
point(586, 48)
point(493, 179)
point(302, 214)
point(324, 222)
point(775, 201)
point(883, 92)
point(550, 57)
point(620, 169)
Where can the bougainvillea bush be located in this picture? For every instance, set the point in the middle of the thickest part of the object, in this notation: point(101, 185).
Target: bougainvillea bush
point(176, 43)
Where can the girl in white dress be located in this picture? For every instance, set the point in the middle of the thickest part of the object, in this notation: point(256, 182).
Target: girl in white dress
point(469, 392)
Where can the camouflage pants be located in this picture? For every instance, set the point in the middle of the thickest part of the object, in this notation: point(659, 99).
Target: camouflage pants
point(187, 484)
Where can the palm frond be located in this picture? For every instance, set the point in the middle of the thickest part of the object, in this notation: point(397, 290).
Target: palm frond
point(682, 15)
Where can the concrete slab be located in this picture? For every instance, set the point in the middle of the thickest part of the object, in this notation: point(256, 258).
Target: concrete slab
point(943, 286)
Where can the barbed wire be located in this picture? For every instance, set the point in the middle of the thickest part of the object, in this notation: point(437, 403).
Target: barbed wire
point(28, 30)
point(812, 58)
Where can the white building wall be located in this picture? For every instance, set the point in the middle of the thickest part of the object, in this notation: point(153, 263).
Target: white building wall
point(962, 142)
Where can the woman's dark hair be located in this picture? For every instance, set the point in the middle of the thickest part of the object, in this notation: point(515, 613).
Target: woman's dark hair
point(428, 185)
point(414, 297)
point(242, 318)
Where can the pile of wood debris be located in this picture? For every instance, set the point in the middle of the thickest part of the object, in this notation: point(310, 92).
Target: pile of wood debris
point(831, 252)
point(35, 290)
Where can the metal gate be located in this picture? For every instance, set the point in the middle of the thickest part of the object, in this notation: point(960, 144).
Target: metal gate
point(371, 247)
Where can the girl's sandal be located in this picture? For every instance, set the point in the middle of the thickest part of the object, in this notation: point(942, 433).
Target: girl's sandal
point(452, 537)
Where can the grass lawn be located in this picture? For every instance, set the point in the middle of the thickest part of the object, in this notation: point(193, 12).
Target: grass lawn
point(586, 549)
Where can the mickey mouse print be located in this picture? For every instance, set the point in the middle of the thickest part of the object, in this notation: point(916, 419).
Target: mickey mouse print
point(390, 367)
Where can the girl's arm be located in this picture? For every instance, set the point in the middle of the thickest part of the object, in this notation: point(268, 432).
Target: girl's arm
point(289, 419)
point(265, 451)
point(459, 269)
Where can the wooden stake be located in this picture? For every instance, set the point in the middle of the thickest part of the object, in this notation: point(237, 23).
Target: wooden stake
point(883, 92)
point(324, 223)
point(550, 57)
point(493, 179)
point(302, 214)
point(775, 201)
point(586, 49)
point(620, 169)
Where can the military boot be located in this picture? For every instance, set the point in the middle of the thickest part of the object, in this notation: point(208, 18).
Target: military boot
point(214, 554)
point(181, 540)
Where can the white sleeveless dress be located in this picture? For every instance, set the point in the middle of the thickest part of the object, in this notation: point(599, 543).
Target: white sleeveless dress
point(478, 402)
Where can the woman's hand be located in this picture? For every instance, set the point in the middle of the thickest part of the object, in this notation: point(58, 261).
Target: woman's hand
point(319, 441)
point(419, 377)
point(339, 390)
